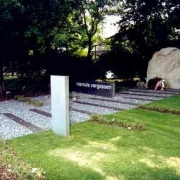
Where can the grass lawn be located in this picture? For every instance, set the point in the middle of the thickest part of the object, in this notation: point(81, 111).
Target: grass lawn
point(104, 152)
point(171, 103)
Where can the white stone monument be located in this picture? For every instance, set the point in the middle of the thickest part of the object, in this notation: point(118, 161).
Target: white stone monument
point(166, 64)
point(60, 104)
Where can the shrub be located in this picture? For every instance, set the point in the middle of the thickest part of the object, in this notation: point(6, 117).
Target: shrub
point(29, 101)
point(121, 123)
point(160, 109)
point(28, 85)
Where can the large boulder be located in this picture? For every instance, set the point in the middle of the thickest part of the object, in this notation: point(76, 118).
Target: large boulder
point(166, 64)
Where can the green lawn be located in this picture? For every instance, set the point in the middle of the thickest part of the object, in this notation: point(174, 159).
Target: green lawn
point(168, 103)
point(103, 152)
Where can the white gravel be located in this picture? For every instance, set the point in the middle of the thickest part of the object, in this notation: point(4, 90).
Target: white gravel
point(118, 97)
point(10, 129)
point(93, 109)
point(151, 98)
point(143, 95)
point(107, 103)
point(145, 91)
point(78, 117)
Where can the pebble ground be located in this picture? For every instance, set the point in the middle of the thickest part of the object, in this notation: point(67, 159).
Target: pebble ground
point(18, 119)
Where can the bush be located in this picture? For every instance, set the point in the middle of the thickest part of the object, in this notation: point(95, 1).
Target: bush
point(121, 123)
point(28, 85)
point(29, 101)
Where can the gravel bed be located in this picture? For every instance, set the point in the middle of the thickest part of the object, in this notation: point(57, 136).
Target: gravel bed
point(167, 91)
point(21, 110)
point(34, 118)
point(129, 100)
point(10, 129)
point(93, 109)
point(140, 97)
point(78, 117)
point(116, 98)
point(110, 104)
point(144, 93)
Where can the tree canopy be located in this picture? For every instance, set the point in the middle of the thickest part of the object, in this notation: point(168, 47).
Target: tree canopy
point(145, 27)
point(31, 30)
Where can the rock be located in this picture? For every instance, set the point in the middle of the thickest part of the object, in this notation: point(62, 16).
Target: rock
point(141, 85)
point(166, 64)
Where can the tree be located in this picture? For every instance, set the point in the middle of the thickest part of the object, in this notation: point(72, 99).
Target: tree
point(29, 25)
point(46, 19)
point(72, 36)
point(93, 13)
point(10, 32)
point(82, 27)
point(145, 27)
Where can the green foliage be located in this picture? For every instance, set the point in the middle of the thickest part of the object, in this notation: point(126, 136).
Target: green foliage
point(10, 34)
point(119, 88)
point(47, 22)
point(30, 26)
point(72, 35)
point(120, 62)
point(21, 98)
point(29, 101)
point(92, 14)
point(160, 109)
point(44, 26)
point(145, 27)
point(28, 85)
point(33, 30)
point(121, 123)
point(167, 105)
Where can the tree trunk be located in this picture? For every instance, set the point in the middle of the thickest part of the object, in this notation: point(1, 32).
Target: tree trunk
point(89, 48)
point(2, 86)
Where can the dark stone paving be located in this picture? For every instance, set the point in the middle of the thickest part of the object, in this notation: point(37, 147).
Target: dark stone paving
point(99, 105)
point(41, 112)
point(24, 123)
point(131, 93)
point(49, 114)
point(116, 101)
point(144, 99)
point(167, 91)
point(81, 111)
